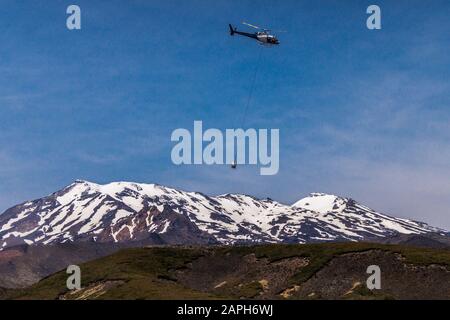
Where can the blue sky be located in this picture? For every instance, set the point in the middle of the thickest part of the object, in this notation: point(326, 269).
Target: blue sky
point(361, 113)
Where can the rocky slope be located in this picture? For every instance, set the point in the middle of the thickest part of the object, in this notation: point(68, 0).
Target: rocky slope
point(312, 271)
point(125, 212)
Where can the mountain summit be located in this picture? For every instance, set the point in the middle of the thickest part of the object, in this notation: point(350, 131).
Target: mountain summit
point(123, 212)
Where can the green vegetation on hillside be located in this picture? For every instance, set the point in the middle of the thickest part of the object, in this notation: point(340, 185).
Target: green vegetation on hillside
point(165, 272)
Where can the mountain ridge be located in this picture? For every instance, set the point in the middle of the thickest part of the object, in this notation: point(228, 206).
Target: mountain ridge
point(126, 211)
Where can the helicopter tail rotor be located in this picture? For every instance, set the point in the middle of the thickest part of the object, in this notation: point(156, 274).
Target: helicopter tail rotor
point(231, 30)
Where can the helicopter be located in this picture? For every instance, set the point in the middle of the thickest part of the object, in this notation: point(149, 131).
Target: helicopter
point(264, 36)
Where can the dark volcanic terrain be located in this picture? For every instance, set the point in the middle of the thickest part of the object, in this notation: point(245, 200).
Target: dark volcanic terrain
point(311, 271)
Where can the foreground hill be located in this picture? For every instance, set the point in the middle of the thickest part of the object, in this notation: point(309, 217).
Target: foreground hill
point(23, 266)
point(312, 271)
point(125, 212)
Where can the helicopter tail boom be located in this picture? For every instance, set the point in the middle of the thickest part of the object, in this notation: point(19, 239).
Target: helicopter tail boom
point(234, 31)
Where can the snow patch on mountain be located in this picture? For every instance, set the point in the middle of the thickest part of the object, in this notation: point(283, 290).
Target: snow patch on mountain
point(126, 211)
point(320, 202)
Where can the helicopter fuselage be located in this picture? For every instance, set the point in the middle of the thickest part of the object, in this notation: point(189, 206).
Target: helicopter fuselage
point(262, 36)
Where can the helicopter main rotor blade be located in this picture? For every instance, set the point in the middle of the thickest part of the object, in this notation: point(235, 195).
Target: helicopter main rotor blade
point(250, 25)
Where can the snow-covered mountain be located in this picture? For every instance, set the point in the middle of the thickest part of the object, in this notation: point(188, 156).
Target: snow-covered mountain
point(122, 212)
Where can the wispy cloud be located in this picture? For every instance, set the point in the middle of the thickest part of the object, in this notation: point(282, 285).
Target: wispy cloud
point(361, 114)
